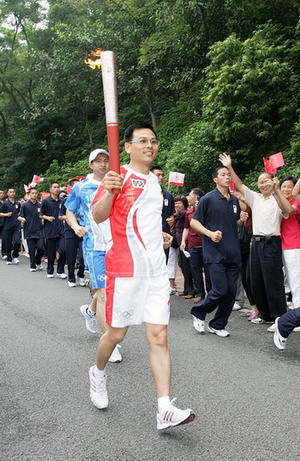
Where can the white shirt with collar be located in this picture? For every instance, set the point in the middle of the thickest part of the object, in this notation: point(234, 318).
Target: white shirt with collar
point(266, 214)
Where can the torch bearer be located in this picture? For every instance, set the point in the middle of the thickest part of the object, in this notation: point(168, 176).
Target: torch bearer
point(108, 65)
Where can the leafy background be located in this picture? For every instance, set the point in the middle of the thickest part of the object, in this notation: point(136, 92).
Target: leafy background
point(210, 75)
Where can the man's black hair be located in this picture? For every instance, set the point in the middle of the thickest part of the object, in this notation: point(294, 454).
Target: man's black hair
point(136, 126)
point(198, 192)
point(156, 167)
point(216, 171)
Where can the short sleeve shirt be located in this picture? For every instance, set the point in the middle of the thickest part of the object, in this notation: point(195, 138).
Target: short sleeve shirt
point(167, 210)
point(136, 247)
point(290, 229)
point(51, 207)
point(79, 202)
point(11, 222)
point(266, 214)
point(194, 239)
point(33, 225)
point(215, 212)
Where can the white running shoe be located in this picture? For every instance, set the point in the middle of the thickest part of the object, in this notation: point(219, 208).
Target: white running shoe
point(32, 269)
point(279, 341)
point(4, 257)
point(98, 392)
point(16, 261)
point(81, 282)
point(198, 324)
point(39, 268)
point(271, 329)
point(71, 284)
point(50, 276)
point(91, 322)
point(116, 356)
point(173, 416)
point(222, 333)
point(62, 275)
point(9, 263)
point(236, 307)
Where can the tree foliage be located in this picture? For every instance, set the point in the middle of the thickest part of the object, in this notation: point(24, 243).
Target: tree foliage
point(211, 76)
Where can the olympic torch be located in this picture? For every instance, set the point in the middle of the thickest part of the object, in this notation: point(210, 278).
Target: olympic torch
point(106, 60)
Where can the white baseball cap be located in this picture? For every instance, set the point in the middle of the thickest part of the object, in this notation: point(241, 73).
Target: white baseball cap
point(96, 152)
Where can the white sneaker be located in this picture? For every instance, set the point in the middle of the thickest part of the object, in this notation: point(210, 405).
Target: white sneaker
point(279, 341)
point(116, 356)
point(98, 392)
point(9, 263)
point(16, 261)
point(4, 257)
point(91, 322)
point(81, 282)
point(236, 307)
point(172, 291)
point(296, 329)
point(39, 268)
point(32, 270)
point(50, 276)
point(71, 284)
point(198, 324)
point(222, 333)
point(62, 275)
point(271, 329)
point(173, 416)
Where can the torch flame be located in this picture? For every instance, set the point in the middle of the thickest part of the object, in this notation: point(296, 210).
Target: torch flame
point(94, 61)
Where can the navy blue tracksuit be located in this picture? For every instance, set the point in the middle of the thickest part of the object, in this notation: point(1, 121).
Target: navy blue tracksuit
point(11, 233)
point(33, 232)
point(54, 234)
point(73, 246)
point(223, 259)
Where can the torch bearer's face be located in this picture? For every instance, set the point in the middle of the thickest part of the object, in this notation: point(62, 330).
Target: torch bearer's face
point(143, 148)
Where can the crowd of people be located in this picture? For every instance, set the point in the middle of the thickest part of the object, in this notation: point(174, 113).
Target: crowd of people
point(131, 234)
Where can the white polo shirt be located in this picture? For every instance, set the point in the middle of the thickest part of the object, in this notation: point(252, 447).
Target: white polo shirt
point(266, 214)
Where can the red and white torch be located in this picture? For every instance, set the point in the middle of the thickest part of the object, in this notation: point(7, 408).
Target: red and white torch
point(106, 60)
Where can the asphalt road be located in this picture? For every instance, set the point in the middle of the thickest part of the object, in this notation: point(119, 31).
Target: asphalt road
point(244, 391)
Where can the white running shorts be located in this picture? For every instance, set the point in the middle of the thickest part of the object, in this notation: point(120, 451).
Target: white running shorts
point(134, 300)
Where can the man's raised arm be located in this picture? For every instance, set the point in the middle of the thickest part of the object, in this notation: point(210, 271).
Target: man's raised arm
point(226, 161)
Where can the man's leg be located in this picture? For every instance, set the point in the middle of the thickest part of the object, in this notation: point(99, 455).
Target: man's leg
point(8, 244)
point(16, 239)
point(288, 321)
point(271, 263)
point(39, 251)
point(257, 281)
point(216, 294)
point(51, 250)
point(196, 263)
point(223, 312)
point(160, 360)
point(71, 252)
point(60, 248)
point(97, 373)
point(107, 343)
point(31, 248)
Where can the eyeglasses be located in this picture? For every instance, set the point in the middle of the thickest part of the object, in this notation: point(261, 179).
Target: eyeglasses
point(145, 141)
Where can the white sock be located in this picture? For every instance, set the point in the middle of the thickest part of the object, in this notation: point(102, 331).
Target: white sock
point(163, 403)
point(99, 373)
point(90, 312)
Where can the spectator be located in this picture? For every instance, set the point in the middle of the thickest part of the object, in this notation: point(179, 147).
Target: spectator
point(192, 241)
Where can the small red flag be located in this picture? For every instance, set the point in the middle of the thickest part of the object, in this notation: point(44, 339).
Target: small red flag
point(270, 169)
point(277, 160)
